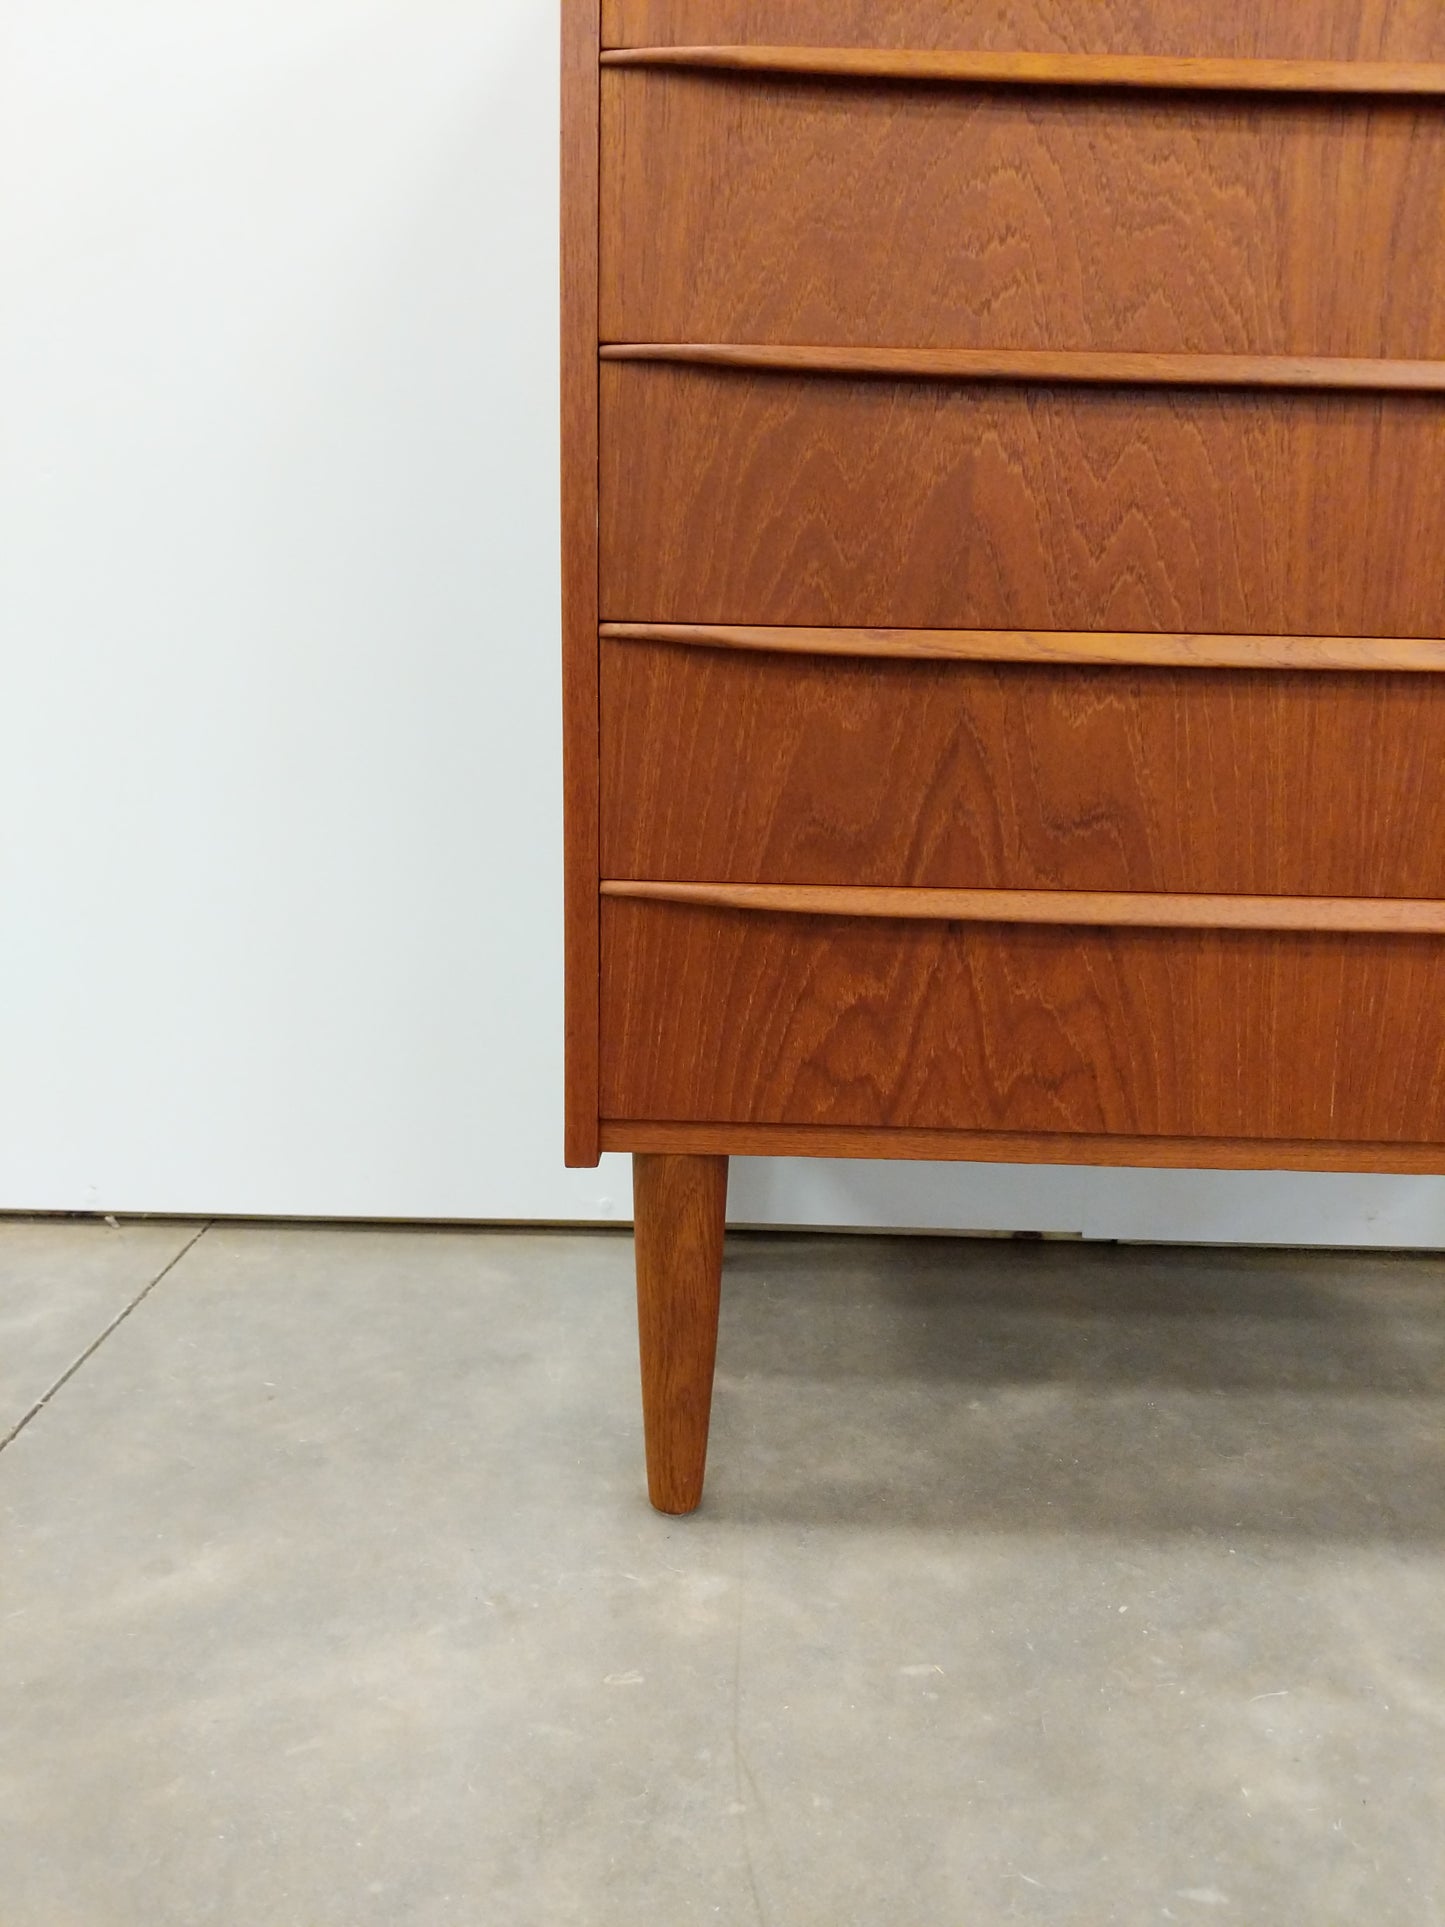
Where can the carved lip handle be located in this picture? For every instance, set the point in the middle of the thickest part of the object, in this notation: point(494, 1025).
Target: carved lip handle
point(1083, 648)
point(1095, 367)
point(1370, 79)
point(1105, 909)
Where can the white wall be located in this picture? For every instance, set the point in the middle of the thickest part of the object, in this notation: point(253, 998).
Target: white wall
point(278, 738)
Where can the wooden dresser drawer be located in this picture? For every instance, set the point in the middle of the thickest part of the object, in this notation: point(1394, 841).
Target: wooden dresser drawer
point(1173, 223)
point(734, 1016)
point(747, 497)
point(739, 765)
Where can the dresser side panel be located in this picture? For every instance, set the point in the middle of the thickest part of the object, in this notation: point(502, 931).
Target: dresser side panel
point(580, 33)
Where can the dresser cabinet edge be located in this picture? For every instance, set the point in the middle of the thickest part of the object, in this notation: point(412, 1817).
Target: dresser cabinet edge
point(581, 46)
point(969, 1147)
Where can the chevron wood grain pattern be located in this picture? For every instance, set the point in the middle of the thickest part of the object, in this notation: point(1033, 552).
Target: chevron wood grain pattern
point(712, 1016)
point(1222, 29)
point(1020, 222)
point(777, 768)
point(785, 499)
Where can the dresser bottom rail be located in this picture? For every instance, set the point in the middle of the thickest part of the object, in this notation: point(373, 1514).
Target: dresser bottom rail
point(975, 1147)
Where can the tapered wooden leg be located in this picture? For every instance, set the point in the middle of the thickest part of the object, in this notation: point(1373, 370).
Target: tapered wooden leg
point(679, 1205)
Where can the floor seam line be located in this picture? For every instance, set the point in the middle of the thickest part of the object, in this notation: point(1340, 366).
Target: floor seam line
point(69, 1373)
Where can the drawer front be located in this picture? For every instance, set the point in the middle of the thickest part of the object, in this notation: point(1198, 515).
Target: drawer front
point(1243, 29)
point(738, 1017)
point(781, 499)
point(737, 766)
point(761, 209)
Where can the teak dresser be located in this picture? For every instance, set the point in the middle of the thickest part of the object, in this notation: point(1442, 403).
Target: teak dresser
point(1004, 524)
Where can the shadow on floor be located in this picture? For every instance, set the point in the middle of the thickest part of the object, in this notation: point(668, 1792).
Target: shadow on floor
point(985, 1385)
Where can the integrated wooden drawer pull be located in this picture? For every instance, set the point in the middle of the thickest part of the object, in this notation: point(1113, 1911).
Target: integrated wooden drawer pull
point(1138, 910)
point(1151, 73)
point(1085, 647)
point(1067, 367)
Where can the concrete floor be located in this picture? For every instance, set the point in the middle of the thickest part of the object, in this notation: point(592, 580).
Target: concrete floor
point(1034, 1583)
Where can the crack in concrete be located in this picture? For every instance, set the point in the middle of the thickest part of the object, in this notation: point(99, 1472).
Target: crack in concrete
point(69, 1373)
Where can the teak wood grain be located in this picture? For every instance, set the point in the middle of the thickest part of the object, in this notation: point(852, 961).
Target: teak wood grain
point(781, 499)
point(771, 768)
point(731, 213)
point(580, 31)
point(679, 1206)
point(1066, 647)
point(1222, 29)
point(720, 1016)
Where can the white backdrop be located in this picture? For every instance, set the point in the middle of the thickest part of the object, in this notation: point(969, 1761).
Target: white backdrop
point(278, 602)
